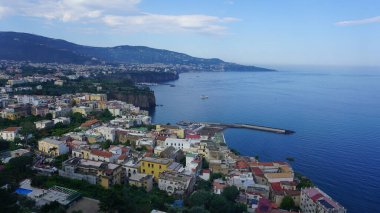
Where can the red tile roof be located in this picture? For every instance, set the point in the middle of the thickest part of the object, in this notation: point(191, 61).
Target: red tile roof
point(241, 164)
point(276, 186)
point(101, 153)
point(316, 197)
point(122, 157)
point(11, 129)
point(161, 138)
point(193, 136)
point(257, 171)
point(89, 123)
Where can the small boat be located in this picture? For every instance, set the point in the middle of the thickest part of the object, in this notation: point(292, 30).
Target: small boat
point(204, 97)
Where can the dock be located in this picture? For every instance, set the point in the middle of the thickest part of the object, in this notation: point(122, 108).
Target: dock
point(251, 126)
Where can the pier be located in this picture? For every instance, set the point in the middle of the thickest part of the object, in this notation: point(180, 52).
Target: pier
point(251, 126)
point(239, 126)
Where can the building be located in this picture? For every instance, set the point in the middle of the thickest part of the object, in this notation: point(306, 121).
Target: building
point(241, 181)
point(171, 129)
point(63, 120)
point(82, 110)
point(90, 124)
point(218, 186)
point(155, 166)
point(109, 133)
point(94, 172)
point(176, 183)
point(53, 146)
point(58, 82)
point(141, 180)
point(182, 144)
point(10, 133)
point(314, 200)
point(105, 156)
point(44, 124)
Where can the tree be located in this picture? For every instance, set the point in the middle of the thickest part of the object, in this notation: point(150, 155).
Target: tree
point(112, 201)
point(216, 176)
point(218, 204)
point(8, 201)
point(230, 193)
point(53, 207)
point(238, 208)
point(27, 128)
point(287, 203)
point(200, 198)
point(19, 167)
point(4, 145)
point(49, 116)
point(197, 209)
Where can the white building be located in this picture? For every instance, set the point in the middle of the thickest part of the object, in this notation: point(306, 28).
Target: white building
point(183, 144)
point(109, 133)
point(241, 181)
point(313, 200)
point(176, 183)
point(44, 124)
point(10, 133)
point(63, 120)
point(104, 156)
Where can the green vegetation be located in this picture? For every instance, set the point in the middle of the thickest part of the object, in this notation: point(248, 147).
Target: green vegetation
point(304, 181)
point(111, 84)
point(4, 123)
point(16, 170)
point(287, 203)
point(206, 201)
point(104, 115)
point(231, 193)
point(8, 201)
point(118, 198)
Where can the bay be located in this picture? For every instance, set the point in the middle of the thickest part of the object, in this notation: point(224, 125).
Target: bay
point(335, 114)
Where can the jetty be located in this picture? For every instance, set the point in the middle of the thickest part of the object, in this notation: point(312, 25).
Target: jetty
point(240, 126)
point(251, 126)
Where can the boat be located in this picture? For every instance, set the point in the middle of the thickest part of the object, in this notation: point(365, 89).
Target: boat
point(204, 97)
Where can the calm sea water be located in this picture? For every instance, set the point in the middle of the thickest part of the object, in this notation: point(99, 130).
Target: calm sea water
point(336, 116)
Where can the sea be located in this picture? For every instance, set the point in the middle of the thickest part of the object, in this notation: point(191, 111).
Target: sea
point(335, 113)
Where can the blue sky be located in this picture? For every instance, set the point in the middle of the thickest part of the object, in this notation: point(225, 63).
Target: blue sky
point(258, 32)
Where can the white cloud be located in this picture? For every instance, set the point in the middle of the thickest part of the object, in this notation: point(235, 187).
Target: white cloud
point(122, 15)
point(169, 23)
point(4, 11)
point(359, 21)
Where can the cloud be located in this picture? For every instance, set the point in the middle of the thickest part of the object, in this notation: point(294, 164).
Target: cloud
point(4, 11)
point(359, 21)
point(121, 15)
point(169, 23)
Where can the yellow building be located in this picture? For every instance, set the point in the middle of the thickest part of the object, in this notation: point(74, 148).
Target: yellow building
point(53, 147)
point(172, 129)
point(154, 166)
point(96, 97)
point(82, 110)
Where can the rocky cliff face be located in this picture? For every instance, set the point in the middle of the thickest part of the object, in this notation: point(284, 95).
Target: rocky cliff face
point(143, 100)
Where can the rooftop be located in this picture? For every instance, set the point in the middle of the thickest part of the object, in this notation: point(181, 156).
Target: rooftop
point(157, 160)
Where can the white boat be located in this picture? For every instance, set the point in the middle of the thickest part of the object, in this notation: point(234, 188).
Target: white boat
point(204, 97)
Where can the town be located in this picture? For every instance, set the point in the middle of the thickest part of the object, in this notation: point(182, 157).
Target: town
point(89, 152)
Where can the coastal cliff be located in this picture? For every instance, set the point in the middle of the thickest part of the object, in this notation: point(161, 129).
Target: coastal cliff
point(145, 100)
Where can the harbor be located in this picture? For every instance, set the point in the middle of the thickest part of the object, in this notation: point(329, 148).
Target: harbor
point(241, 126)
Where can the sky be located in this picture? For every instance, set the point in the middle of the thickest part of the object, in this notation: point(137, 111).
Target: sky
point(253, 32)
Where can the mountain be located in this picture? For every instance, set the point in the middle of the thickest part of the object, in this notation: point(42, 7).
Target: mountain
point(28, 47)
